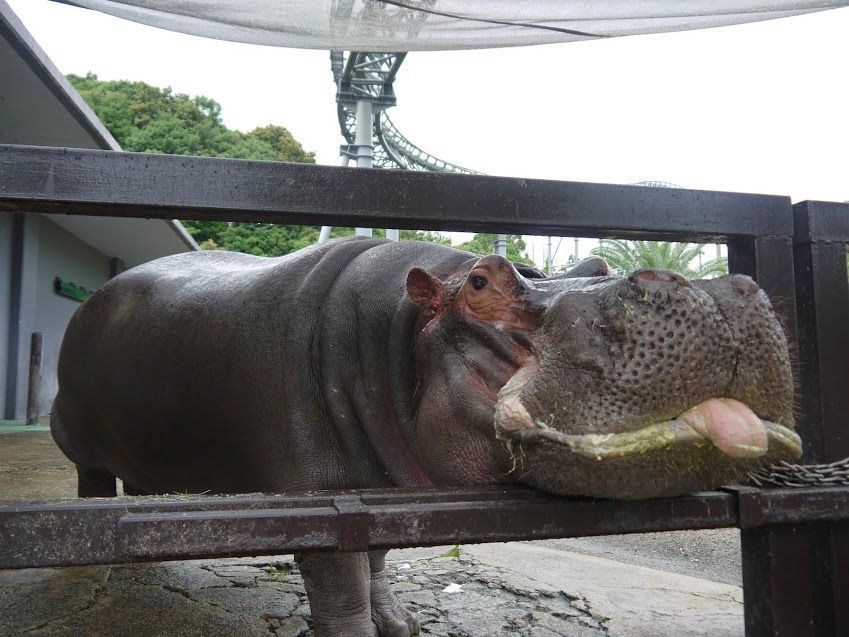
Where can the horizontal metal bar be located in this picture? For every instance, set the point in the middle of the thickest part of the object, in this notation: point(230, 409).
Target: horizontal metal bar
point(73, 181)
point(193, 534)
point(119, 530)
point(116, 530)
point(785, 506)
point(513, 519)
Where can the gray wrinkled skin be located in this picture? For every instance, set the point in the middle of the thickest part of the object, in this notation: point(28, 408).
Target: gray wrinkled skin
point(364, 363)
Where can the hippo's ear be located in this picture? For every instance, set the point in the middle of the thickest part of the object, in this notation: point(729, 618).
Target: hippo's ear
point(592, 266)
point(425, 290)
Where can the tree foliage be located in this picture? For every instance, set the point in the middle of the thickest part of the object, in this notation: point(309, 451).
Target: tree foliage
point(484, 243)
point(273, 240)
point(261, 239)
point(626, 256)
point(149, 119)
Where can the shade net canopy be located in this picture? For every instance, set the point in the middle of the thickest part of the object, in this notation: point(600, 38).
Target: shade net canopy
point(420, 25)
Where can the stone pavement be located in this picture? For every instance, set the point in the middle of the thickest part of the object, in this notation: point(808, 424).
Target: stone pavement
point(517, 589)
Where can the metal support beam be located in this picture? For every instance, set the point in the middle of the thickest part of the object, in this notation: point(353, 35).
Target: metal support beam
point(365, 118)
point(796, 576)
point(119, 530)
point(22, 307)
point(90, 182)
point(792, 583)
point(14, 337)
point(822, 235)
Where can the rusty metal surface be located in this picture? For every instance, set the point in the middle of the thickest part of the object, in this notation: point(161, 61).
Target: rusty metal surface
point(159, 528)
point(132, 529)
point(41, 179)
point(759, 507)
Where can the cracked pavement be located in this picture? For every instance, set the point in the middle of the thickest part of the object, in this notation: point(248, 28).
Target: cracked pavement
point(525, 589)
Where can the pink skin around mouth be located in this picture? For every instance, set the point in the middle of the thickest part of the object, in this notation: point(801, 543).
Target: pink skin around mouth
point(730, 425)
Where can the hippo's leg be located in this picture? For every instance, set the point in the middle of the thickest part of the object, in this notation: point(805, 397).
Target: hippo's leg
point(338, 586)
point(95, 483)
point(390, 615)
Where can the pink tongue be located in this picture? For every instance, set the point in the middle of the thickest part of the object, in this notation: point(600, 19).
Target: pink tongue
point(730, 425)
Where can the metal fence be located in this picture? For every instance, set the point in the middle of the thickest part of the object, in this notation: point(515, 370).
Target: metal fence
point(795, 542)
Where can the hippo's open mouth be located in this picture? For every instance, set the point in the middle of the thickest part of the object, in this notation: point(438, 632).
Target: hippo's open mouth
point(729, 425)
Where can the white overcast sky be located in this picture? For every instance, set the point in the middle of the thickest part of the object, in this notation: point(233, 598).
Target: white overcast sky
point(760, 108)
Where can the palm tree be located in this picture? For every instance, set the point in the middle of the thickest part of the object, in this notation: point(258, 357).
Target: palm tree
point(626, 256)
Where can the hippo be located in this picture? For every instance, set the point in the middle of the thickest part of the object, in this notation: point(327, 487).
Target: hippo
point(363, 363)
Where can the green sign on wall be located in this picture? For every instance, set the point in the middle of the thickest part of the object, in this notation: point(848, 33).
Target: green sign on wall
point(71, 290)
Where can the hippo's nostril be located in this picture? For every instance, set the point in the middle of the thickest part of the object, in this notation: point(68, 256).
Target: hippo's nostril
point(744, 284)
point(658, 275)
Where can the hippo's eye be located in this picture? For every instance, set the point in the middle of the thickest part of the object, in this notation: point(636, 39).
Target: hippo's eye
point(478, 282)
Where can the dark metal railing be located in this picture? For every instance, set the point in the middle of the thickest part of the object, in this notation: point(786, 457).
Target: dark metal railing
point(795, 553)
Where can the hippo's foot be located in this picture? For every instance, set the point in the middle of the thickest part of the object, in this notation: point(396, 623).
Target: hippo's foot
point(389, 615)
point(349, 595)
point(338, 587)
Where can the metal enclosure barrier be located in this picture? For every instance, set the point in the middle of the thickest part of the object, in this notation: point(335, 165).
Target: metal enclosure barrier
point(822, 289)
point(794, 563)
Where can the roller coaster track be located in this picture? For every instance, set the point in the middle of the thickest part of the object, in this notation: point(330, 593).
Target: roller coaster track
point(360, 75)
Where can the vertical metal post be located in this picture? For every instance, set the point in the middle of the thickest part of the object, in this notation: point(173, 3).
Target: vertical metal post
point(548, 258)
point(781, 566)
point(116, 266)
point(501, 245)
point(363, 140)
point(577, 256)
point(780, 583)
point(34, 387)
point(823, 306)
point(821, 234)
point(16, 274)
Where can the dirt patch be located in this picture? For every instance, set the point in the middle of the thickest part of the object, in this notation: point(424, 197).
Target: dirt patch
point(33, 468)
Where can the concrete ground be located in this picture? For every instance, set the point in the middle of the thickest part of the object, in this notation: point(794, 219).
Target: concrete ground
point(684, 583)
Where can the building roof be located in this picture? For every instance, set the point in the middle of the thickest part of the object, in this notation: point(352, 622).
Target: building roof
point(38, 106)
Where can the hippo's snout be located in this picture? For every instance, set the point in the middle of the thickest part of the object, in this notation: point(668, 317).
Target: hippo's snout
point(646, 374)
point(656, 276)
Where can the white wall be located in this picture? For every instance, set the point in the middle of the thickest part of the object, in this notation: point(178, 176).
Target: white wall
point(49, 251)
point(64, 255)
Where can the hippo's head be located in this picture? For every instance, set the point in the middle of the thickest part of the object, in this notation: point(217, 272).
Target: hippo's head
point(624, 387)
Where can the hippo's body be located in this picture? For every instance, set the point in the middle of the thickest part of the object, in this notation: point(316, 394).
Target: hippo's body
point(364, 363)
point(224, 372)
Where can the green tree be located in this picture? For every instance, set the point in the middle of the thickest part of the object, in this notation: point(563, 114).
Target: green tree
point(149, 119)
point(484, 243)
point(145, 118)
point(261, 239)
point(626, 256)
